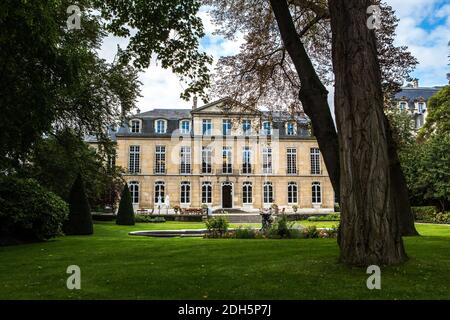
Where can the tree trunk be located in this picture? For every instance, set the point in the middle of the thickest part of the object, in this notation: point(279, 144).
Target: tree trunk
point(403, 207)
point(313, 96)
point(370, 224)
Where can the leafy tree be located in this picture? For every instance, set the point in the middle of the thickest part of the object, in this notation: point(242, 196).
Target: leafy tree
point(80, 218)
point(402, 126)
point(125, 214)
point(285, 63)
point(438, 118)
point(61, 82)
point(56, 160)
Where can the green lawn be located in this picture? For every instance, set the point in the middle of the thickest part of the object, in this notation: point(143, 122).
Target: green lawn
point(117, 266)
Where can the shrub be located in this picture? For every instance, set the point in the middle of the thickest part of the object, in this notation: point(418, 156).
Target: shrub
point(29, 212)
point(328, 233)
point(295, 208)
point(283, 227)
point(311, 232)
point(245, 233)
point(442, 217)
point(80, 218)
point(424, 213)
point(217, 226)
point(148, 218)
point(125, 215)
point(337, 207)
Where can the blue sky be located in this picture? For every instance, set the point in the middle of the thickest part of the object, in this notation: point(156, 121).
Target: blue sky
point(424, 27)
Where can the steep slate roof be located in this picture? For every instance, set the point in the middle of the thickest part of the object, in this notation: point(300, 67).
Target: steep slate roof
point(169, 114)
point(412, 94)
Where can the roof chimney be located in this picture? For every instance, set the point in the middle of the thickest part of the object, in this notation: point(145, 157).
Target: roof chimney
point(415, 83)
point(194, 103)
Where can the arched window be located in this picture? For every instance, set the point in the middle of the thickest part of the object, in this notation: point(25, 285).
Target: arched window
point(159, 192)
point(292, 192)
point(134, 190)
point(185, 196)
point(316, 193)
point(206, 192)
point(160, 126)
point(135, 126)
point(247, 190)
point(268, 192)
point(185, 126)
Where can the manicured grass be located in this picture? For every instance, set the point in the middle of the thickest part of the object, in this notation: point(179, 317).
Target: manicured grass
point(115, 265)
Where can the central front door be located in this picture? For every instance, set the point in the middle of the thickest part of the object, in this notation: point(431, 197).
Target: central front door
point(227, 198)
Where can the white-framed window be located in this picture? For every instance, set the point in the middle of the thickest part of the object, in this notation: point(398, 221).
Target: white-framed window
point(315, 160)
point(134, 191)
point(246, 160)
point(247, 193)
point(159, 192)
point(402, 105)
point(267, 192)
point(206, 160)
point(161, 126)
point(246, 127)
point(185, 160)
point(185, 192)
point(291, 160)
point(185, 126)
point(206, 192)
point(207, 127)
point(267, 128)
point(421, 107)
point(134, 159)
point(291, 128)
point(160, 160)
point(267, 160)
point(226, 127)
point(135, 126)
point(227, 160)
point(292, 192)
point(316, 193)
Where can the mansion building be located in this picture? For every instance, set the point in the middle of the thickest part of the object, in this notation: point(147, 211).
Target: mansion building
point(414, 100)
point(224, 158)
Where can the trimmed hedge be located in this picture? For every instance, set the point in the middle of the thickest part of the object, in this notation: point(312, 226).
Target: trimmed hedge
point(429, 214)
point(329, 217)
point(28, 211)
point(148, 218)
point(125, 215)
point(80, 219)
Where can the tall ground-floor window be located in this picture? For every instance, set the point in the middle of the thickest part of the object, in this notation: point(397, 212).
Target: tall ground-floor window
point(159, 192)
point(268, 192)
point(206, 192)
point(292, 192)
point(185, 196)
point(316, 193)
point(134, 191)
point(247, 190)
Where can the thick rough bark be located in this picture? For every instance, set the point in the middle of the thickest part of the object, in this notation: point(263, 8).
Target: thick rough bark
point(370, 223)
point(313, 94)
point(403, 206)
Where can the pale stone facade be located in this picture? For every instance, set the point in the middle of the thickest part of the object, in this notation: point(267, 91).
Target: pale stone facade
point(173, 153)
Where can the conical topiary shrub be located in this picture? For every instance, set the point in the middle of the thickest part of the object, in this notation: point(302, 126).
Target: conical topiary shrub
point(125, 215)
point(80, 218)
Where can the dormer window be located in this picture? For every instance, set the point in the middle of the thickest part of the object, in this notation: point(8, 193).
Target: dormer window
point(267, 128)
point(135, 126)
point(402, 106)
point(291, 128)
point(160, 126)
point(185, 126)
point(421, 107)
